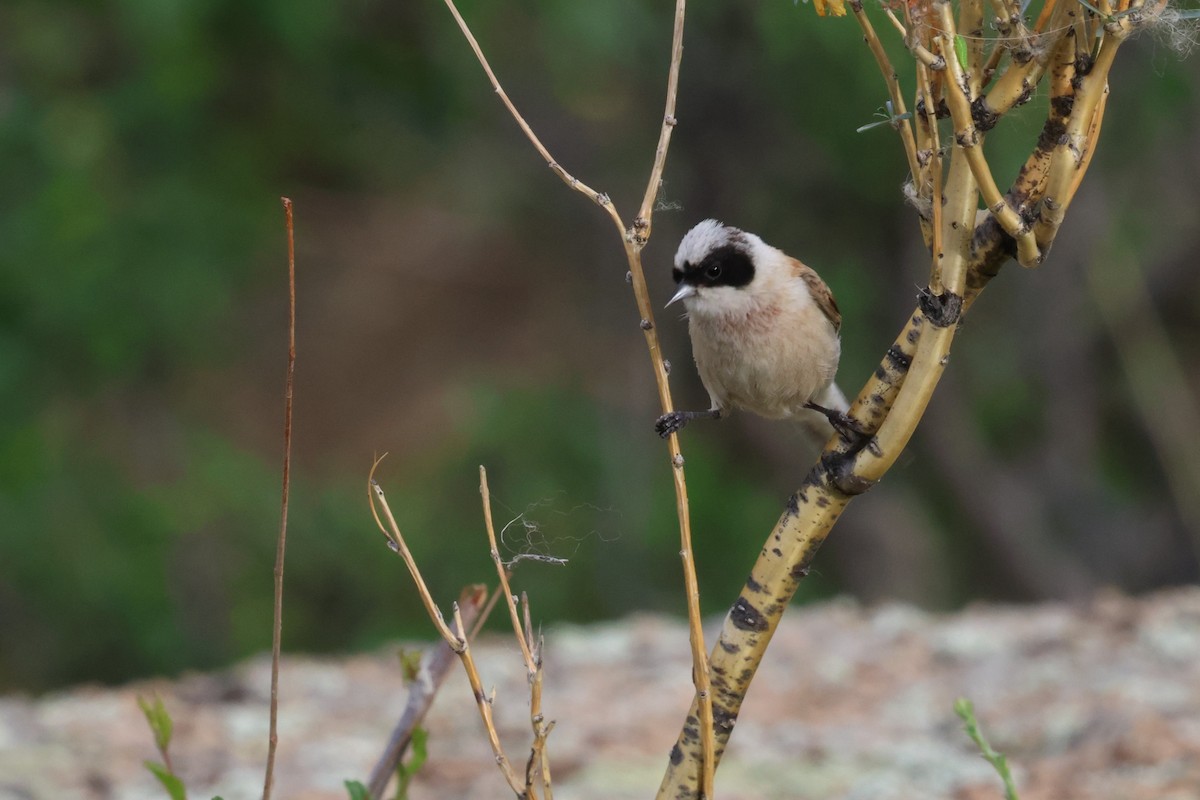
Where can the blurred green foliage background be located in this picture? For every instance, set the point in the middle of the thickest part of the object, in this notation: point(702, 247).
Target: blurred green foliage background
point(458, 306)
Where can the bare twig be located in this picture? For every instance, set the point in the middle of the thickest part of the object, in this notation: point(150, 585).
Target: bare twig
point(598, 198)
point(634, 238)
point(435, 666)
point(903, 127)
point(455, 637)
point(502, 572)
point(539, 759)
point(398, 546)
point(654, 184)
point(281, 545)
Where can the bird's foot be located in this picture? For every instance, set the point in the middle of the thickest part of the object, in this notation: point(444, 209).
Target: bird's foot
point(848, 428)
point(674, 421)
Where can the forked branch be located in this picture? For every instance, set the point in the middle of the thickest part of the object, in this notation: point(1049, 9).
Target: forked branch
point(455, 637)
point(634, 237)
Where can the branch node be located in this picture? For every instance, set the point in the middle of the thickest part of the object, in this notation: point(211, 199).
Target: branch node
point(839, 467)
point(646, 324)
point(984, 117)
point(942, 310)
point(745, 616)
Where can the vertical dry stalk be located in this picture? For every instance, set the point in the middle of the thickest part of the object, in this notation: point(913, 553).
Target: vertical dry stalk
point(967, 248)
point(281, 545)
point(539, 758)
point(634, 238)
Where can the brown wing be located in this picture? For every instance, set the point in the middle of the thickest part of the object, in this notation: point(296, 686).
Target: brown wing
point(820, 292)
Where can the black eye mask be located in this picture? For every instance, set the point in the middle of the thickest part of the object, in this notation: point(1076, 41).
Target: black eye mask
point(725, 266)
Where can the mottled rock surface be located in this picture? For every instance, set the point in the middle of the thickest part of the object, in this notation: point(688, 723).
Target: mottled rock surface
point(1098, 701)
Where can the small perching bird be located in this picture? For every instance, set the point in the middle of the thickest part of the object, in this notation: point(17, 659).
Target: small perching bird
point(764, 330)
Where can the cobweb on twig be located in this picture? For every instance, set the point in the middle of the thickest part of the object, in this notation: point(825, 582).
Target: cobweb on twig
point(534, 534)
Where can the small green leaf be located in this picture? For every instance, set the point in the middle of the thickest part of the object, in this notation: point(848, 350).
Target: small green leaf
point(960, 49)
point(966, 711)
point(159, 721)
point(420, 750)
point(168, 779)
point(410, 665)
point(420, 753)
point(357, 791)
point(893, 121)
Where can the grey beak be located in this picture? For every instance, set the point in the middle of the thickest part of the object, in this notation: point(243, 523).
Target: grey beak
point(685, 291)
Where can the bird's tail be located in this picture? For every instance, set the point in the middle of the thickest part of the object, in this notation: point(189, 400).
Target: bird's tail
point(832, 398)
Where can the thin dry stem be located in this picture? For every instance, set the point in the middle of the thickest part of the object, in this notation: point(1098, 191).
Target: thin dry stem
point(1047, 12)
point(281, 545)
point(1016, 84)
point(538, 757)
point(902, 126)
point(1092, 139)
point(924, 55)
point(634, 238)
point(642, 224)
point(598, 198)
point(484, 703)
point(524, 635)
point(457, 641)
point(502, 572)
point(639, 235)
point(400, 547)
point(934, 169)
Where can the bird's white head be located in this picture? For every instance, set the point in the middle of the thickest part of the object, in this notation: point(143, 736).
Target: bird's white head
point(719, 268)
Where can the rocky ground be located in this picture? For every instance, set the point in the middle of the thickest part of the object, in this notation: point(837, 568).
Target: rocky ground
point(1098, 701)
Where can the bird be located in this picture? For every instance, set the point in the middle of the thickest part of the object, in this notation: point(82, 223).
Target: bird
point(764, 330)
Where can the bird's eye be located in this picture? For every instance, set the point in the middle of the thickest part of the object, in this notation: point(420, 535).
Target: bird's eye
point(712, 271)
point(677, 274)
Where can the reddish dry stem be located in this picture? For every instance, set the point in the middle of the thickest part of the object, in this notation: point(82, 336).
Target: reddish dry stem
point(281, 545)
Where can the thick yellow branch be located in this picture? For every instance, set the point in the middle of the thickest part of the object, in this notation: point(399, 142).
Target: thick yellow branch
point(970, 140)
point(1027, 189)
point(1068, 158)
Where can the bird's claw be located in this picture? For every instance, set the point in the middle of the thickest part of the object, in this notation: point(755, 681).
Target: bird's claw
point(670, 423)
point(848, 428)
